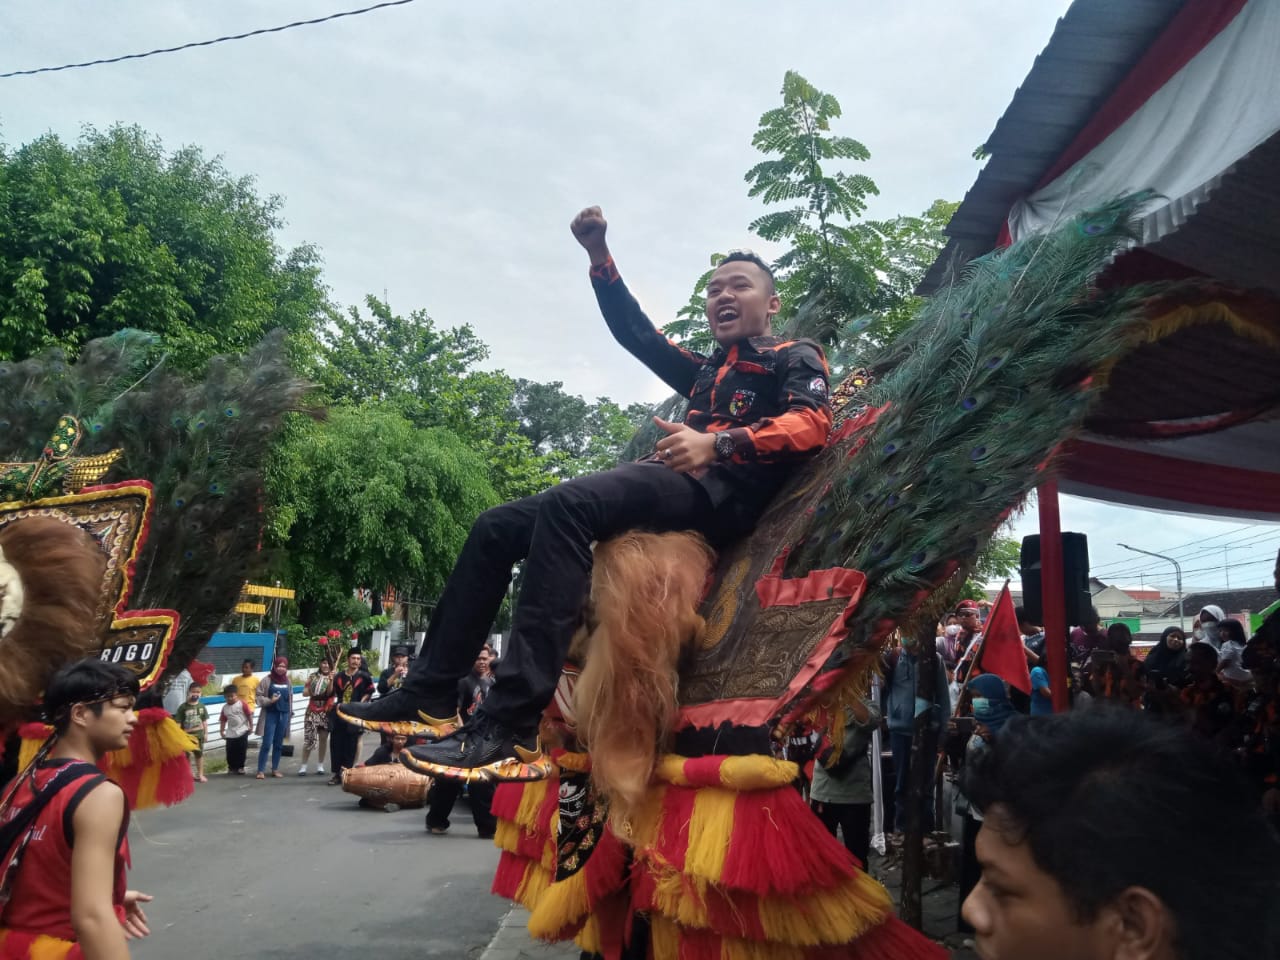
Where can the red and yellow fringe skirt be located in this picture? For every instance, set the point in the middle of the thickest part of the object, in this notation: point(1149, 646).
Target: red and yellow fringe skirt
point(724, 861)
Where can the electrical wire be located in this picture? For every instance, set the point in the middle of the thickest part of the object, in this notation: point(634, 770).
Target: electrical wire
point(207, 43)
point(1189, 543)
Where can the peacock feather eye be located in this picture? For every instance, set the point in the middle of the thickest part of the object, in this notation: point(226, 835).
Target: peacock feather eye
point(216, 488)
point(231, 411)
point(969, 403)
point(994, 363)
point(179, 502)
point(199, 423)
point(978, 453)
point(179, 421)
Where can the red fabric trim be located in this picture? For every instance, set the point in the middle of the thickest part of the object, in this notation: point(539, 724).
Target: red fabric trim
point(1189, 32)
point(1169, 478)
point(834, 582)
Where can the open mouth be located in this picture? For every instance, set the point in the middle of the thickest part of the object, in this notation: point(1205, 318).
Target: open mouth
point(726, 314)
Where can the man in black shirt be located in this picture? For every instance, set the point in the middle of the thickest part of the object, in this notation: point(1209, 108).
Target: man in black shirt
point(758, 408)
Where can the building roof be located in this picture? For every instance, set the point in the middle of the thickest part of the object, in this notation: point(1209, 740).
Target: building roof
point(1092, 49)
point(1252, 599)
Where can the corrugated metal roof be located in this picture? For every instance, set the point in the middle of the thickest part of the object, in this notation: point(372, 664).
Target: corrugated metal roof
point(1092, 48)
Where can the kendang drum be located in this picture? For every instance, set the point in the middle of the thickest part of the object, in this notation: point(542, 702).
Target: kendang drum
point(387, 783)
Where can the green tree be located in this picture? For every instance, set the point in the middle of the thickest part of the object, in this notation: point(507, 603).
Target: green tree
point(115, 232)
point(998, 560)
point(573, 436)
point(369, 499)
point(828, 275)
point(428, 375)
point(845, 282)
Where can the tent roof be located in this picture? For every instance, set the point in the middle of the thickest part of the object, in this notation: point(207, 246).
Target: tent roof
point(1191, 420)
point(1092, 49)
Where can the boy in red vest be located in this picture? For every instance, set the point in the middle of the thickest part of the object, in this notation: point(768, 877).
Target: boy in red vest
point(63, 825)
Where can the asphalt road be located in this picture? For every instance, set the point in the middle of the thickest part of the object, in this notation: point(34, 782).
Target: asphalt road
point(292, 868)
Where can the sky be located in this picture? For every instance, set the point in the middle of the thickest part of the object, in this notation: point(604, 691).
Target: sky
point(437, 151)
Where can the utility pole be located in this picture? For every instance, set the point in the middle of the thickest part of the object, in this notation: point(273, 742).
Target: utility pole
point(1177, 568)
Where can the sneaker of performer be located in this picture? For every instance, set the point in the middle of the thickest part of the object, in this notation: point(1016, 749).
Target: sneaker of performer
point(483, 749)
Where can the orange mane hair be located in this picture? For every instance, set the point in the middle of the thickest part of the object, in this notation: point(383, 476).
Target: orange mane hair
point(645, 591)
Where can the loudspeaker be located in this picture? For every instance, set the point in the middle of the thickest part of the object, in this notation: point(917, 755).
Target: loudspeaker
point(1075, 579)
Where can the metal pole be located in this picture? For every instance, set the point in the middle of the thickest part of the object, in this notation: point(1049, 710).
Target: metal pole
point(1177, 567)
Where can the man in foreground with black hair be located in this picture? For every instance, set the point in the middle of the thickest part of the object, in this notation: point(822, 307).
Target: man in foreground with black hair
point(1108, 835)
point(758, 408)
point(63, 825)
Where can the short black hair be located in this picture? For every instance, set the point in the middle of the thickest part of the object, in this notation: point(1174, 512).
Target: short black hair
point(747, 256)
point(92, 681)
point(1119, 635)
point(229, 689)
point(1108, 798)
point(247, 660)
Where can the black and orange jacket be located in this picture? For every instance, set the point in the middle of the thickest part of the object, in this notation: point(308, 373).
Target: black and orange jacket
point(768, 392)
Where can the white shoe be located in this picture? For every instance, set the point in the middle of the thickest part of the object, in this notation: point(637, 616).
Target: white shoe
point(320, 770)
point(302, 770)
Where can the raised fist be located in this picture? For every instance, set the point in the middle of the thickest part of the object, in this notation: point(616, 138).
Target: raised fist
point(589, 227)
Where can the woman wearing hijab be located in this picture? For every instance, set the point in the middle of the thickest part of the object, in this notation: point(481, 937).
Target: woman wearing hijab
point(992, 709)
point(1208, 625)
point(275, 696)
point(1167, 660)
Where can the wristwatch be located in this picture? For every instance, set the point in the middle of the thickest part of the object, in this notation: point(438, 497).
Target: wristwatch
point(725, 446)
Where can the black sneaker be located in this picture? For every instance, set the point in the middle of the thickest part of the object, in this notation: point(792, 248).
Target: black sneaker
point(402, 713)
point(482, 750)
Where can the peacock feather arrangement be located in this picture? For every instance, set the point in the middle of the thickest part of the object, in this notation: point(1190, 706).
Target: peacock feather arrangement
point(202, 443)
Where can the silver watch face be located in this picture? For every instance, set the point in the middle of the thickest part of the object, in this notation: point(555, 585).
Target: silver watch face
point(724, 446)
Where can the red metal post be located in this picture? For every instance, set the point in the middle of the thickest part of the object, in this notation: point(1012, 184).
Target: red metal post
point(1055, 609)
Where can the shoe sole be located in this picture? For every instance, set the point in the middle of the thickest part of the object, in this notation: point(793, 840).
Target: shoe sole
point(508, 770)
point(405, 728)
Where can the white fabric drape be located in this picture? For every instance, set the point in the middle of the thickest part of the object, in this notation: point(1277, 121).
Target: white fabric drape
point(1221, 105)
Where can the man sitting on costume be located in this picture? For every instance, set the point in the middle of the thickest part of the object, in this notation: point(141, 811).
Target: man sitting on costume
point(758, 408)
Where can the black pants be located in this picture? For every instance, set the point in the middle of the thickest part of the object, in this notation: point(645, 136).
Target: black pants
point(237, 747)
point(553, 531)
point(344, 740)
point(853, 820)
point(444, 794)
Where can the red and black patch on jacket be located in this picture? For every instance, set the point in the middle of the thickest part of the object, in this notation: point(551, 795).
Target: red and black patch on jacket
point(741, 402)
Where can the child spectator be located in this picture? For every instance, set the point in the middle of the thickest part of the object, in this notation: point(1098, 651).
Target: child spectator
point(193, 717)
point(234, 725)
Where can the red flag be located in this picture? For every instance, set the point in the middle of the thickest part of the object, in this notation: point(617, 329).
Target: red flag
point(1002, 651)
